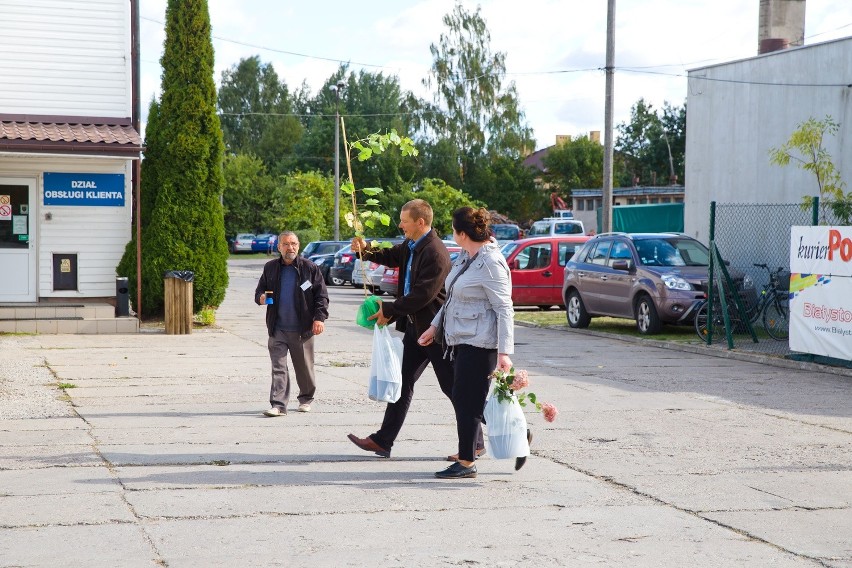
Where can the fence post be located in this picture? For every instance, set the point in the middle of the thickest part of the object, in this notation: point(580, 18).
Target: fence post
point(712, 221)
point(815, 211)
point(710, 270)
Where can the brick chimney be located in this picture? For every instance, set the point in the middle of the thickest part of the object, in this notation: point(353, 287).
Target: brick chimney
point(781, 24)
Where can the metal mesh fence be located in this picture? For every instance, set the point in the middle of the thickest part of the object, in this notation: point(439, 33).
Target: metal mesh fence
point(747, 234)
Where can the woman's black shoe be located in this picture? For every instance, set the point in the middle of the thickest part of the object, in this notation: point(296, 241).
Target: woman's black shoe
point(456, 471)
point(519, 462)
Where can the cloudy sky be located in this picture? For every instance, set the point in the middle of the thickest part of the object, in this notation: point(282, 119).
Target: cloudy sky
point(554, 48)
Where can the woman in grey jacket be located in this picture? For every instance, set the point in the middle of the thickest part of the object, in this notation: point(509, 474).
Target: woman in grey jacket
point(478, 328)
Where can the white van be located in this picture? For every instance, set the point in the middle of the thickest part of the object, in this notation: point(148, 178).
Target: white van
point(556, 226)
point(562, 214)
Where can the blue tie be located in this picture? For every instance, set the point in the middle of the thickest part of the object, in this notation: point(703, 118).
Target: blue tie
point(407, 285)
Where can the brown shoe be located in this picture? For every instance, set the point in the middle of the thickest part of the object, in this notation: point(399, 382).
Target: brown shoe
point(479, 453)
point(368, 445)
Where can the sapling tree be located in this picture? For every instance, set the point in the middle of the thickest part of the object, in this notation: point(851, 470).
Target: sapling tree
point(805, 148)
point(367, 212)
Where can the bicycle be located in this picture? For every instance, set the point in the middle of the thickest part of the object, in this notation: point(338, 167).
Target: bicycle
point(773, 305)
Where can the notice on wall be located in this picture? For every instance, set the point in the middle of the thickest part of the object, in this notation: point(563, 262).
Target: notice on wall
point(821, 291)
point(5, 212)
point(19, 225)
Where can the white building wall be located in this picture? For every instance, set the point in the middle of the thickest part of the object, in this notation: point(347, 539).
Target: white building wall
point(97, 235)
point(734, 118)
point(65, 57)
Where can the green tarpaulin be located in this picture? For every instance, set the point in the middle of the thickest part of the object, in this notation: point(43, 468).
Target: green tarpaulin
point(653, 218)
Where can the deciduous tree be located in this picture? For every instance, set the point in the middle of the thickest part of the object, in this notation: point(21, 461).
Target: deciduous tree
point(472, 107)
point(642, 145)
point(257, 112)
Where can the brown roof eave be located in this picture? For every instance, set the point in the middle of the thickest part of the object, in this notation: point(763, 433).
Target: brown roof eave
point(71, 148)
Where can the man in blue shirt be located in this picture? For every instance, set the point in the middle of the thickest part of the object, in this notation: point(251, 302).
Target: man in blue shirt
point(423, 263)
point(295, 313)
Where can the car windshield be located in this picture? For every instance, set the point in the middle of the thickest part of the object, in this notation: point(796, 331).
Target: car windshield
point(568, 228)
point(508, 249)
point(672, 252)
point(539, 228)
point(505, 232)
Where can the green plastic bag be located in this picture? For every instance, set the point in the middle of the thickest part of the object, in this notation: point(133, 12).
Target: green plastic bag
point(365, 310)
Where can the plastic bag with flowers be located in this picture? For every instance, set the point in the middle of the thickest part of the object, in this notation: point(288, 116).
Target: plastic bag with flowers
point(504, 415)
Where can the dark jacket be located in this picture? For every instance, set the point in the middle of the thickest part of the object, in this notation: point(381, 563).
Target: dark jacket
point(311, 303)
point(429, 269)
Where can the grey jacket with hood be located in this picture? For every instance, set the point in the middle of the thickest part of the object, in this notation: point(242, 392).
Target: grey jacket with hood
point(479, 307)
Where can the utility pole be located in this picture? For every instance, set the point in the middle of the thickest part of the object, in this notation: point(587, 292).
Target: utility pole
point(336, 89)
point(606, 211)
point(672, 176)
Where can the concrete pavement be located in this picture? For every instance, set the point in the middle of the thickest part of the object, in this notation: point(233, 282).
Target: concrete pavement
point(158, 456)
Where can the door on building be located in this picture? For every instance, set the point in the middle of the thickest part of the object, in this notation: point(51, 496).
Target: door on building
point(17, 240)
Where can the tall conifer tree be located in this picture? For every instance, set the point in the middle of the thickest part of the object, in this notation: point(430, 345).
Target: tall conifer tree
point(184, 228)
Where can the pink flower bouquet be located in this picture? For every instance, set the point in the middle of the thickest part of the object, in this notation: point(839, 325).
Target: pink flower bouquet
point(507, 384)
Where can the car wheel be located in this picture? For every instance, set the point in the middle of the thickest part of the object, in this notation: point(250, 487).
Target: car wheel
point(647, 320)
point(576, 312)
point(376, 290)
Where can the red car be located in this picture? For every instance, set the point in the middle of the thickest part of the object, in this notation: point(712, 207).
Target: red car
point(538, 267)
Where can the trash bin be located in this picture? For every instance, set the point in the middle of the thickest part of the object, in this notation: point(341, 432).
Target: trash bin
point(122, 297)
point(178, 301)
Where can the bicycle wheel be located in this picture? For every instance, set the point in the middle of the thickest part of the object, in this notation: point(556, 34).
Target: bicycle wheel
point(716, 322)
point(776, 317)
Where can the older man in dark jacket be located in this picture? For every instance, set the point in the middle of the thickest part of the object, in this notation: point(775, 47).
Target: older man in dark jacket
point(295, 313)
point(423, 263)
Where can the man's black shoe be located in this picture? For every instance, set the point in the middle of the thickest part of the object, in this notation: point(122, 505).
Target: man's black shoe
point(519, 462)
point(456, 471)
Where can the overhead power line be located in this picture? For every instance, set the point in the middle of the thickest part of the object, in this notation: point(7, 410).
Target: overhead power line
point(638, 70)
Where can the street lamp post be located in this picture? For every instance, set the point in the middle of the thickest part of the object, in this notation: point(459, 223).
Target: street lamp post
point(336, 89)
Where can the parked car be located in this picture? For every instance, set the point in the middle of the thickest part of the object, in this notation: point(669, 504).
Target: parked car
point(537, 265)
point(324, 262)
point(654, 278)
point(242, 242)
point(505, 232)
point(322, 247)
point(265, 242)
point(556, 226)
point(340, 271)
point(373, 272)
point(390, 278)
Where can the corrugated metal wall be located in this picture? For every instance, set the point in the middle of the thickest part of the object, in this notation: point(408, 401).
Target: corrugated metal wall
point(65, 57)
point(738, 111)
point(96, 234)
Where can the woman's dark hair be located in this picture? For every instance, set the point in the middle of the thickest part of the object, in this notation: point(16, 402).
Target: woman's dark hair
point(475, 223)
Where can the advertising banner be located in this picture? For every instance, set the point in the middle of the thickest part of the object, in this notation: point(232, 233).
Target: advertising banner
point(87, 190)
point(821, 291)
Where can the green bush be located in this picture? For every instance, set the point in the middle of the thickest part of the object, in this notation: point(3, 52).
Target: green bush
point(184, 227)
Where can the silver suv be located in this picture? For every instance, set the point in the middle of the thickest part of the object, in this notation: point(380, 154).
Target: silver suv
point(654, 278)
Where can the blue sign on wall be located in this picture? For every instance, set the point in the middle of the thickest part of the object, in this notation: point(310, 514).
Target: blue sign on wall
point(89, 190)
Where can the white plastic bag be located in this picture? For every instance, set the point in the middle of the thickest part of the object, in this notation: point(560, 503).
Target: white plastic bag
point(507, 428)
point(386, 366)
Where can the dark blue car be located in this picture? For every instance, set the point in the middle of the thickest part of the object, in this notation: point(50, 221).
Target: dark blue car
point(266, 242)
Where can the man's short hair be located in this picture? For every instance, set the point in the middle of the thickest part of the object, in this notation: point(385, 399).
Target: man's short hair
point(287, 234)
point(419, 209)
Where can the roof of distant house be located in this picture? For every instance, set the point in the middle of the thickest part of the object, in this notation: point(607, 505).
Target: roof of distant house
point(536, 159)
